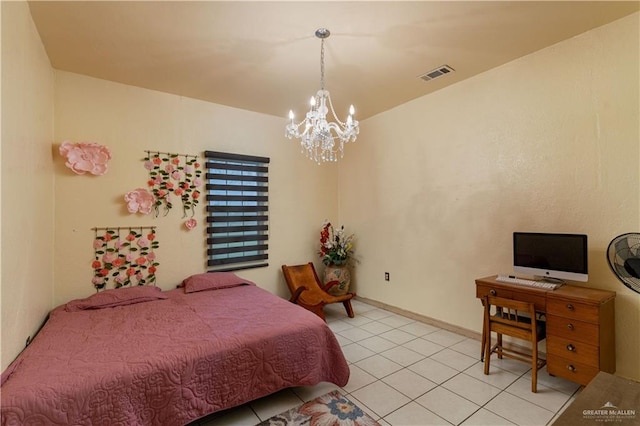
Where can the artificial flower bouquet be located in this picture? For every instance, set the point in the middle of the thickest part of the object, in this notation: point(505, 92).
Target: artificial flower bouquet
point(336, 248)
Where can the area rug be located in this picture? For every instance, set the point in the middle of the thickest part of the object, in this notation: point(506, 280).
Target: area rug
point(331, 409)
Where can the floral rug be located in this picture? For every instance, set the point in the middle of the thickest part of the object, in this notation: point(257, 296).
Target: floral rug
point(331, 409)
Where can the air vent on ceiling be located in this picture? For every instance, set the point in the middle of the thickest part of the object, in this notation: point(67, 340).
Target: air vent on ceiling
point(437, 72)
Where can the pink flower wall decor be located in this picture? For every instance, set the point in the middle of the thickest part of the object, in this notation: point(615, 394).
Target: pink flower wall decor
point(140, 200)
point(191, 223)
point(86, 157)
point(127, 258)
point(174, 174)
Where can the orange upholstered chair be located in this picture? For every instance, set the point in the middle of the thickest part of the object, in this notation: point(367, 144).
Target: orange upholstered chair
point(308, 291)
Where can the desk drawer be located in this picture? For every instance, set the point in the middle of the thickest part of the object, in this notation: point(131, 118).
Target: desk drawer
point(573, 350)
point(573, 330)
point(487, 290)
point(569, 309)
point(571, 370)
point(538, 300)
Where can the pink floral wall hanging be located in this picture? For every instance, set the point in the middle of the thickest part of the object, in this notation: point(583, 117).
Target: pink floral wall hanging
point(86, 157)
point(124, 255)
point(174, 175)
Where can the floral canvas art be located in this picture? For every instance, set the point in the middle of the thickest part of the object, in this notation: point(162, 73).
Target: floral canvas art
point(125, 256)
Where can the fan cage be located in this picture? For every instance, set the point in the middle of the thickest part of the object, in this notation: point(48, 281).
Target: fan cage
point(621, 249)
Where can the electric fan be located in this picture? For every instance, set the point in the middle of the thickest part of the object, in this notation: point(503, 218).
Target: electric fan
point(623, 255)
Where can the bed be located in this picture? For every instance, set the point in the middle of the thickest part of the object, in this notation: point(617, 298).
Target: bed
point(140, 356)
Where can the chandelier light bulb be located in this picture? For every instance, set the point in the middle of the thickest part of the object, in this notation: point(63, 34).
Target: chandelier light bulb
point(320, 139)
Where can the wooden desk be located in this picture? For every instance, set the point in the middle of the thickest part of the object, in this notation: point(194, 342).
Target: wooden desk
point(580, 325)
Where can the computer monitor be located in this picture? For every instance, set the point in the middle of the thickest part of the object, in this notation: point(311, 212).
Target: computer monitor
point(559, 256)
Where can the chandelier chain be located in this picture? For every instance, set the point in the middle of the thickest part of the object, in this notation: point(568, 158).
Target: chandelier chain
point(334, 113)
point(322, 64)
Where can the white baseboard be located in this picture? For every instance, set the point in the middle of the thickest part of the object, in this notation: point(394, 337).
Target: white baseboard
point(423, 318)
point(509, 343)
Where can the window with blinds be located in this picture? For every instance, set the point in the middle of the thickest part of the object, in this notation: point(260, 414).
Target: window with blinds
point(237, 211)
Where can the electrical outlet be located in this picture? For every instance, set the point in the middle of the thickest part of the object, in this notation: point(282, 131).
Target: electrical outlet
point(386, 276)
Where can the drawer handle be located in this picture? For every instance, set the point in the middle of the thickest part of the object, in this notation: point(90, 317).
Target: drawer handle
point(492, 292)
point(570, 326)
point(571, 348)
point(570, 307)
point(571, 368)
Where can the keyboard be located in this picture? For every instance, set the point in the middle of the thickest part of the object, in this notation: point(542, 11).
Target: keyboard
point(530, 283)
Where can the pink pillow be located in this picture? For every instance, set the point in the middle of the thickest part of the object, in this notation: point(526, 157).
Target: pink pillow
point(117, 297)
point(213, 281)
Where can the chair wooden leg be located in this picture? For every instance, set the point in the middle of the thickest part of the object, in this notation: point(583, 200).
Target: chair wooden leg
point(317, 309)
point(534, 366)
point(348, 308)
point(499, 345)
point(484, 333)
point(487, 351)
point(320, 313)
point(484, 338)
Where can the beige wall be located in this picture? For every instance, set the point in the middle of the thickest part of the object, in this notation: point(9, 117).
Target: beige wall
point(433, 188)
point(549, 142)
point(130, 120)
point(27, 180)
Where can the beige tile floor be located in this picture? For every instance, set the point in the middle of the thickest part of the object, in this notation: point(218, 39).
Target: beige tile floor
point(404, 372)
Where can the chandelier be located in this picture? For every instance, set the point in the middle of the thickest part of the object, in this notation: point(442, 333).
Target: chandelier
point(321, 140)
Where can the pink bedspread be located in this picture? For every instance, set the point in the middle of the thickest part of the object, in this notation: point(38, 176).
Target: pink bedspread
point(168, 362)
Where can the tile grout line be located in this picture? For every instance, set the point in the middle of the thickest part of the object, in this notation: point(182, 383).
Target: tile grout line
point(457, 350)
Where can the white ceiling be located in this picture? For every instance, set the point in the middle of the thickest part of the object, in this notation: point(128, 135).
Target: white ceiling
point(263, 56)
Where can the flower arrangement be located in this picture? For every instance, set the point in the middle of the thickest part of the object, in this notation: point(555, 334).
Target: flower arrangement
point(170, 174)
point(127, 259)
point(85, 157)
point(336, 248)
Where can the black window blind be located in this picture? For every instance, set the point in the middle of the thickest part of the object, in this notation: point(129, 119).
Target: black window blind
point(237, 211)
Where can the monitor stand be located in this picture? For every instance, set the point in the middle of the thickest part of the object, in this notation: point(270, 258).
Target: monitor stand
point(549, 279)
